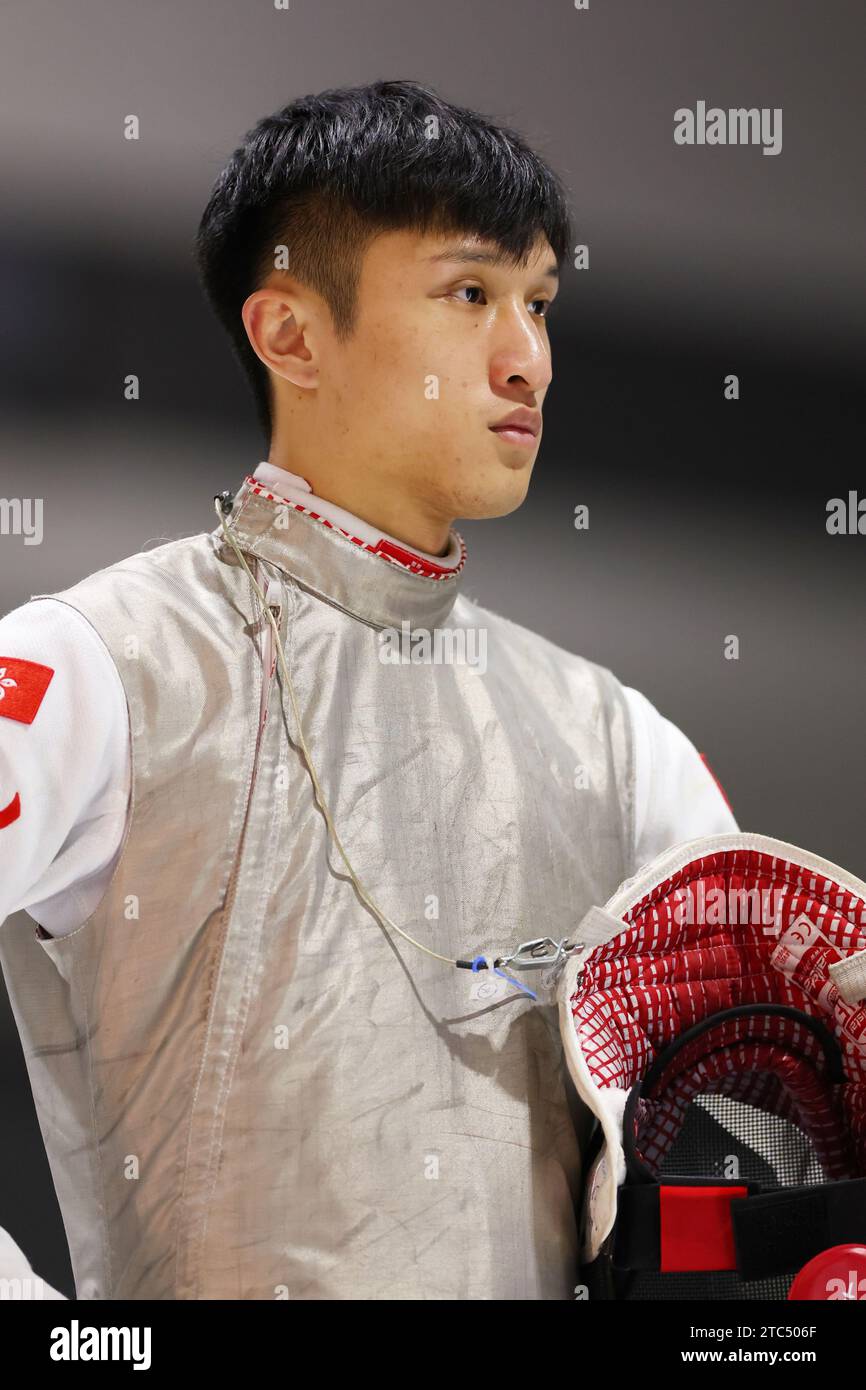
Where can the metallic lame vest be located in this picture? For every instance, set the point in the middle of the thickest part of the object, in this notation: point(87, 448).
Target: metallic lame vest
point(247, 1089)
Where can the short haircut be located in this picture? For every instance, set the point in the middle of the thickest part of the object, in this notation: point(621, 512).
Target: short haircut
point(328, 173)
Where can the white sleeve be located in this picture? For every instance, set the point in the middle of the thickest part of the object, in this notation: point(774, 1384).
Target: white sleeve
point(677, 797)
point(64, 764)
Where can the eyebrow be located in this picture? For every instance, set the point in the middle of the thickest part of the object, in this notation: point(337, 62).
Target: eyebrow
point(465, 253)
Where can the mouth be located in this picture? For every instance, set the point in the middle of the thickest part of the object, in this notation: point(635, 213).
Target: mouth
point(512, 434)
point(522, 428)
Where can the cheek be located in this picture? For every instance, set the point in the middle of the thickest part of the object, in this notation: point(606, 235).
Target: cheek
point(405, 376)
point(418, 374)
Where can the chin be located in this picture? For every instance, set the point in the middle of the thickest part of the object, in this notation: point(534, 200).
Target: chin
point(495, 495)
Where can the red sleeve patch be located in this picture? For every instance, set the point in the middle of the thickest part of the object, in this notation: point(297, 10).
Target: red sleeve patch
point(11, 812)
point(22, 686)
point(717, 782)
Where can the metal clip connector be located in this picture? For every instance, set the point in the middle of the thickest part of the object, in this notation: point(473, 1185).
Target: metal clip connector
point(540, 954)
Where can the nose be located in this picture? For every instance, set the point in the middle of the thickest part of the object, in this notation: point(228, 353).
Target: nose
point(521, 352)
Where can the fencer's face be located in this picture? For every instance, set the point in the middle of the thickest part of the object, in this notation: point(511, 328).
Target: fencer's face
point(444, 349)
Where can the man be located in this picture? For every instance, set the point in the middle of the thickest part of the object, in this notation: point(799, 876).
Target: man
point(250, 1086)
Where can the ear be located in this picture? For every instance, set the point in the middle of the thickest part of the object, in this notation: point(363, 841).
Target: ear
point(280, 324)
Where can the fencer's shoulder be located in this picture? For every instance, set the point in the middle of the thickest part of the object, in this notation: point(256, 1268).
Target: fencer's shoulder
point(527, 646)
point(154, 565)
point(160, 587)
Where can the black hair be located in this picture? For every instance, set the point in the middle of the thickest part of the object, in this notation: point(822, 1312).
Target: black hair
point(328, 172)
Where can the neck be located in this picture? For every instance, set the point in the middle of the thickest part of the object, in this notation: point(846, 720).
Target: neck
point(399, 514)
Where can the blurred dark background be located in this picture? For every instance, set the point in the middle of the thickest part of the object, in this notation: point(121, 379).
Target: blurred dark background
point(707, 516)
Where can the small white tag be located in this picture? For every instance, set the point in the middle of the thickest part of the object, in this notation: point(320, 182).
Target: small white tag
point(487, 986)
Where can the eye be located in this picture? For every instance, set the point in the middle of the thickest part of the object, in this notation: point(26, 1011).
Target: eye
point(543, 313)
point(471, 289)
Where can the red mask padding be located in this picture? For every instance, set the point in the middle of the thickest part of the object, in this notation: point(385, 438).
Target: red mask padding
point(661, 976)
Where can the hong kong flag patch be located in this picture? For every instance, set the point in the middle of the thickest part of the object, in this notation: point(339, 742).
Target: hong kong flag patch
point(22, 687)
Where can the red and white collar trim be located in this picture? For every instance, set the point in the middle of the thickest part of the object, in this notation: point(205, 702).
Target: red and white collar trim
point(279, 485)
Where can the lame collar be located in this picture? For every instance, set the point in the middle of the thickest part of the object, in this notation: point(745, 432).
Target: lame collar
point(339, 557)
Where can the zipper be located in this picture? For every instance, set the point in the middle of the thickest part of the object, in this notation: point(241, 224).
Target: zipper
point(269, 661)
point(269, 654)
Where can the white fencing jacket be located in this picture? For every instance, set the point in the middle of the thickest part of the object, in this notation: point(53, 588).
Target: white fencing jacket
point(246, 1088)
